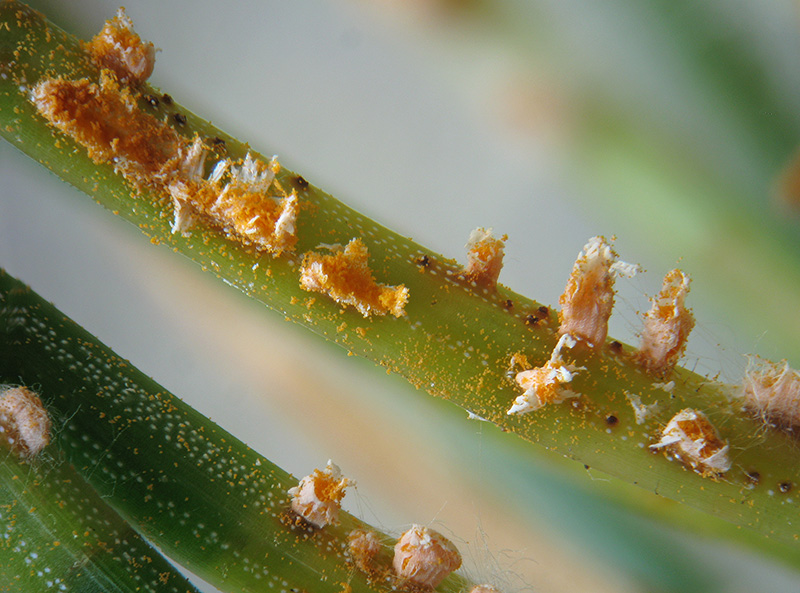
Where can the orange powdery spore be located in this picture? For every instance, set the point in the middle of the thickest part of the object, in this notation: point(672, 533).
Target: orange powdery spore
point(544, 385)
point(588, 299)
point(345, 276)
point(318, 496)
point(244, 206)
point(691, 438)
point(424, 557)
point(772, 392)
point(24, 423)
point(484, 257)
point(667, 326)
point(118, 48)
point(106, 120)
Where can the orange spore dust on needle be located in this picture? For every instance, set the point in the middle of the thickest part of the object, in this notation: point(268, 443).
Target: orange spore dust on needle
point(345, 276)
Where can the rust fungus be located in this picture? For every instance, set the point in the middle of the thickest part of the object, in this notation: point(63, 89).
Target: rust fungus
point(484, 257)
point(238, 198)
point(666, 326)
point(24, 423)
point(483, 589)
point(424, 557)
point(318, 496)
point(772, 392)
point(345, 276)
point(544, 385)
point(588, 298)
point(692, 439)
point(362, 547)
point(106, 120)
point(118, 48)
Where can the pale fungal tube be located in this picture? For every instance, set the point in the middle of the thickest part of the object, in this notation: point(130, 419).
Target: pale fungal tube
point(692, 439)
point(424, 557)
point(345, 276)
point(485, 255)
point(118, 48)
point(666, 326)
point(772, 392)
point(543, 385)
point(24, 423)
point(318, 496)
point(588, 298)
point(641, 411)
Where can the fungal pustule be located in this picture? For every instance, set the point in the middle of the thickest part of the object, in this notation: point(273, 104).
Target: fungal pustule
point(244, 206)
point(772, 392)
point(484, 257)
point(692, 439)
point(345, 276)
point(588, 298)
point(666, 326)
point(24, 423)
point(118, 48)
point(318, 496)
point(106, 120)
point(544, 385)
point(362, 548)
point(424, 557)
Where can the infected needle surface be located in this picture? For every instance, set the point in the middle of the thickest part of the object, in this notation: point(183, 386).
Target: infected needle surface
point(118, 48)
point(544, 385)
point(424, 557)
point(484, 257)
point(588, 298)
point(24, 423)
point(772, 392)
point(345, 276)
point(667, 326)
point(318, 496)
point(692, 439)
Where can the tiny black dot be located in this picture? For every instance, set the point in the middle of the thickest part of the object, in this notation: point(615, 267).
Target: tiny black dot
point(544, 311)
point(179, 118)
point(615, 346)
point(167, 99)
point(586, 467)
point(531, 319)
point(753, 476)
point(785, 487)
point(611, 420)
point(423, 261)
point(301, 181)
point(509, 304)
point(217, 141)
point(151, 99)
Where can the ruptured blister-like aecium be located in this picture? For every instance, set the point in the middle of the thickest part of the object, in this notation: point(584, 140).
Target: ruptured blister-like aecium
point(345, 276)
point(484, 257)
point(588, 299)
point(362, 548)
point(667, 326)
point(318, 496)
point(118, 48)
point(772, 392)
point(544, 385)
point(244, 199)
point(424, 557)
point(693, 440)
point(24, 423)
